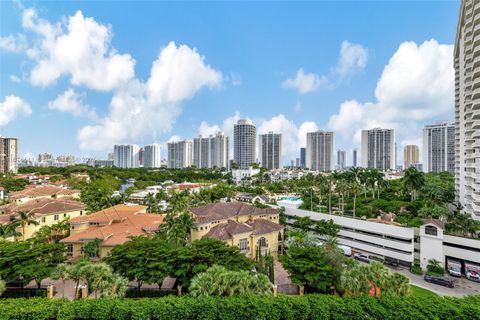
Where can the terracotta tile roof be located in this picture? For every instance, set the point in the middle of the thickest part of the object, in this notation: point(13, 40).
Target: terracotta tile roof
point(223, 211)
point(226, 231)
point(263, 226)
point(44, 206)
point(116, 233)
point(41, 191)
point(115, 213)
point(5, 219)
point(436, 222)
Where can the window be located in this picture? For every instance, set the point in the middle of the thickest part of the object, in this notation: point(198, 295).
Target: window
point(69, 250)
point(262, 242)
point(55, 217)
point(64, 215)
point(43, 219)
point(243, 244)
point(431, 230)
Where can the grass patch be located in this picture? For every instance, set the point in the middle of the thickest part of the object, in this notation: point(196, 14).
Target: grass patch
point(421, 292)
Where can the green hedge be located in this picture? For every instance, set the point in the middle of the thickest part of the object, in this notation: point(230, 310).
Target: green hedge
point(269, 308)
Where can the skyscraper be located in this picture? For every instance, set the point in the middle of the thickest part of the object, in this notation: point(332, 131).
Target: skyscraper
point(126, 156)
point(8, 155)
point(303, 157)
point(180, 154)
point(219, 150)
point(270, 150)
point(151, 156)
point(411, 156)
point(320, 153)
point(355, 158)
point(201, 152)
point(439, 148)
point(244, 143)
point(378, 149)
point(341, 159)
point(467, 100)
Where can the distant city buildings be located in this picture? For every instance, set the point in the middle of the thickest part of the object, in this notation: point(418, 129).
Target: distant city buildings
point(126, 156)
point(341, 159)
point(439, 148)
point(270, 150)
point(8, 155)
point(180, 154)
point(244, 143)
point(303, 157)
point(211, 152)
point(151, 156)
point(201, 152)
point(378, 149)
point(320, 153)
point(467, 113)
point(411, 156)
point(355, 158)
point(103, 163)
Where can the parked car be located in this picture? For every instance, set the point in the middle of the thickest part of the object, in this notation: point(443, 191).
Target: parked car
point(361, 257)
point(391, 262)
point(439, 280)
point(454, 267)
point(473, 275)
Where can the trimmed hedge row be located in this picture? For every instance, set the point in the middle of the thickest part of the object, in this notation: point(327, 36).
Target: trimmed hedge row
point(268, 308)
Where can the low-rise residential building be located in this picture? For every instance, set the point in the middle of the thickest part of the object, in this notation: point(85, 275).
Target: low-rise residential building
point(241, 175)
point(252, 197)
point(32, 192)
point(46, 212)
point(249, 228)
point(112, 226)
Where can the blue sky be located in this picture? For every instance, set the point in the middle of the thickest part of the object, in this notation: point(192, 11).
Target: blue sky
point(395, 70)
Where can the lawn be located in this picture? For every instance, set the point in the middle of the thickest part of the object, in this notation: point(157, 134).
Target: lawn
point(420, 292)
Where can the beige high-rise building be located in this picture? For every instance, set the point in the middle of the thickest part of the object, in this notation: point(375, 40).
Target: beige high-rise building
point(411, 156)
point(378, 149)
point(320, 150)
point(8, 155)
point(467, 108)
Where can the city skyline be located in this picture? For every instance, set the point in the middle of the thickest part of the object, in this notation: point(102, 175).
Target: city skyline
point(325, 84)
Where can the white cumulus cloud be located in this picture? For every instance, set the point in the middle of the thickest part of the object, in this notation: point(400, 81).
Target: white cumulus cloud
point(13, 43)
point(71, 102)
point(11, 108)
point(305, 82)
point(141, 109)
point(78, 47)
point(416, 86)
point(353, 57)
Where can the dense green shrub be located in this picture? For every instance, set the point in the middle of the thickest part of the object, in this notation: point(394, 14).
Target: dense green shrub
point(279, 308)
point(416, 269)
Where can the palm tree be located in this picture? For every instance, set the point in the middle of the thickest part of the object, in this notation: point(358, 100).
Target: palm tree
point(24, 219)
point(355, 188)
point(8, 231)
point(61, 272)
point(413, 180)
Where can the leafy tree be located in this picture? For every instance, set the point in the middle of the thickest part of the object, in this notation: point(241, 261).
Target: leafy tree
point(327, 228)
point(97, 194)
point(53, 233)
point(303, 223)
point(436, 212)
point(61, 272)
point(413, 180)
point(8, 231)
point(23, 219)
point(76, 273)
point(308, 267)
point(91, 249)
point(218, 281)
point(299, 238)
point(176, 228)
point(3, 287)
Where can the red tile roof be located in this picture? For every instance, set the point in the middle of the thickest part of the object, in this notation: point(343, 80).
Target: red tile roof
point(222, 211)
point(44, 206)
point(41, 191)
point(115, 213)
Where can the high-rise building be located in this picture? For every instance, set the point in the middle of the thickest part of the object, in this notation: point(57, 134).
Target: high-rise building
point(320, 153)
point(141, 155)
point(439, 148)
point(467, 112)
point(297, 162)
point(411, 156)
point(341, 159)
point(219, 150)
point(355, 158)
point(180, 154)
point(271, 150)
point(126, 156)
point(151, 156)
point(378, 149)
point(8, 155)
point(45, 157)
point(244, 143)
point(201, 152)
point(303, 157)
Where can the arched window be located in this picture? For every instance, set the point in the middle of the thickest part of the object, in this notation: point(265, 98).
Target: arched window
point(431, 230)
point(262, 242)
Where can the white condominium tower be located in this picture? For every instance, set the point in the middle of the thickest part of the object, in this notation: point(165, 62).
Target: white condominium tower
point(439, 148)
point(126, 156)
point(211, 152)
point(8, 155)
point(411, 156)
point(180, 154)
point(378, 149)
point(244, 143)
point(467, 108)
point(151, 156)
point(270, 150)
point(320, 151)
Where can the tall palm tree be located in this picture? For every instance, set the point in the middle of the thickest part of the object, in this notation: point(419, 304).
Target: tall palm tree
point(413, 180)
point(355, 188)
point(23, 219)
point(61, 272)
point(8, 231)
